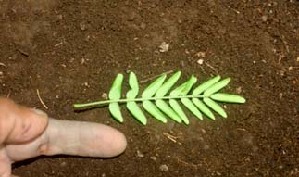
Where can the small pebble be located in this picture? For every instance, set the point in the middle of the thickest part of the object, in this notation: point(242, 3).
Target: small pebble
point(154, 158)
point(265, 18)
point(139, 154)
point(201, 54)
point(104, 95)
point(164, 47)
point(239, 90)
point(200, 61)
point(82, 26)
point(86, 84)
point(63, 164)
point(163, 167)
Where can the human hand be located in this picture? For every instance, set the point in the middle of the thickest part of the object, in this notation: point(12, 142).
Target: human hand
point(27, 133)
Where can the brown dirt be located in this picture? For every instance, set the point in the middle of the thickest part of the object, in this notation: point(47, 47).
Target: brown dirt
point(71, 51)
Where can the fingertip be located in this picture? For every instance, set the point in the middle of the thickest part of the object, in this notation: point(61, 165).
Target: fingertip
point(121, 144)
point(115, 143)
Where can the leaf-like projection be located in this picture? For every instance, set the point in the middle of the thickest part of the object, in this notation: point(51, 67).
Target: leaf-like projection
point(133, 81)
point(135, 110)
point(115, 94)
point(201, 106)
point(153, 87)
point(188, 103)
point(183, 90)
point(154, 111)
point(161, 104)
point(162, 91)
point(216, 87)
point(228, 98)
point(176, 106)
point(204, 86)
point(149, 92)
point(212, 104)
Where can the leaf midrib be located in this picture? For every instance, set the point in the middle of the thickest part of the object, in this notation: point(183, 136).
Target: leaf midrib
point(125, 100)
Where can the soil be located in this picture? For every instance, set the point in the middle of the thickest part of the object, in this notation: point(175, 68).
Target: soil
point(70, 51)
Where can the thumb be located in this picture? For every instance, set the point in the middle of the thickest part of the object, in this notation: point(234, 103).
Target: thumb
point(19, 124)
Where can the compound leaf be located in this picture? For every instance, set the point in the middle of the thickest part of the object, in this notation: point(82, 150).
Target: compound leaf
point(161, 104)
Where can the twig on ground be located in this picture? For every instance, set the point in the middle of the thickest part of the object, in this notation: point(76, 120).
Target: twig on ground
point(214, 69)
point(40, 99)
point(153, 77)
point(172, 138)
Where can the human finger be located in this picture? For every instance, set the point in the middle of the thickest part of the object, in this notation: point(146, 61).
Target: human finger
point(75, 138)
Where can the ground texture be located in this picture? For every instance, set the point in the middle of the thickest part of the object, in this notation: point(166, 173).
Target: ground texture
point(70, 51)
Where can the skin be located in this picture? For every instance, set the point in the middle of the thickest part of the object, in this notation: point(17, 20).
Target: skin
point(27, 133)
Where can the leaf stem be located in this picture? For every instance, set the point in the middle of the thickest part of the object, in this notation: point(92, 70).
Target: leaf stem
point(105, 102)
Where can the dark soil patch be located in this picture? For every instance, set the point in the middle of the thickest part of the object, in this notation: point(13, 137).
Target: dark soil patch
point(72, 50)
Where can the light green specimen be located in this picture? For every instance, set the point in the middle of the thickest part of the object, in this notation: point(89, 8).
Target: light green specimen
point(162, 103)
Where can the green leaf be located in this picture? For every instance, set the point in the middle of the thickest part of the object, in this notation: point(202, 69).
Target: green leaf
point(161, 104)
point(216, 87)
point(212, 104)
point(176, 106)
point(164, 89)
point(228, 98)
point(154, 111)
point(204, 86)
point(135, 110)
point(115, 111)
point(184, 88)
point(168, 110)
point(201, 106)
point(188, 103)
point(115, 90)
point(133, 81)
point(115, 94)
point(153, 87)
